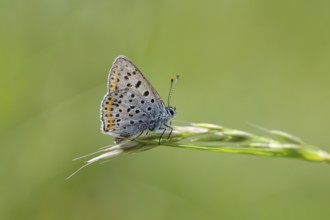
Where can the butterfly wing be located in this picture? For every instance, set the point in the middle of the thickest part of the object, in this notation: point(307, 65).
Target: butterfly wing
point(131, 102)
point(124, 74)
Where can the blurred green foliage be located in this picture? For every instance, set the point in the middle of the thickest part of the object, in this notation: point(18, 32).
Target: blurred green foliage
point(265, 62)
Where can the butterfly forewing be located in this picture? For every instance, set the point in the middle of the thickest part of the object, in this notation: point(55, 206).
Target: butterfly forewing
point(124, 74)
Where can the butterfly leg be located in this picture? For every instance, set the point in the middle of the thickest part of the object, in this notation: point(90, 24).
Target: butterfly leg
point(137, 136)
point(170, 127)
point(160, 137)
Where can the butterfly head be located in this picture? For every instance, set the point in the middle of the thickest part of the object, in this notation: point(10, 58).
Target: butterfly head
point(171, 111)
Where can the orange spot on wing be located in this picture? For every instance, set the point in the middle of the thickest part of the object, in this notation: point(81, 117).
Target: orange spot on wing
point(111, 124)
point(108, 107)
point(113, 82)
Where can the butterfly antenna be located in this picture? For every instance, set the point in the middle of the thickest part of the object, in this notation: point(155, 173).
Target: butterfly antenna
point(173, 83)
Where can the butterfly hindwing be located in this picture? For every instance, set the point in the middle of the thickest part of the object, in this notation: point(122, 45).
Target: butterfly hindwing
point(124, 113)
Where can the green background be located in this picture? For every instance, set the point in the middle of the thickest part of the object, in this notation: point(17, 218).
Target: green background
point(266, 62)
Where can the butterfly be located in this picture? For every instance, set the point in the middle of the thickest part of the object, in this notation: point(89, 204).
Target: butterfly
point(132, 105)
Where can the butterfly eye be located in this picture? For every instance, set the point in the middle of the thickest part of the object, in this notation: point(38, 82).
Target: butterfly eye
point(171, 111)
